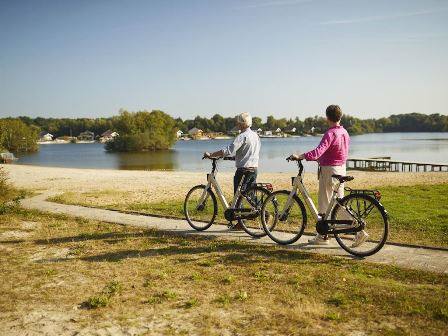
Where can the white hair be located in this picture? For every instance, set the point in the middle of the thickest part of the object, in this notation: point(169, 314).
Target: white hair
point(244, 119)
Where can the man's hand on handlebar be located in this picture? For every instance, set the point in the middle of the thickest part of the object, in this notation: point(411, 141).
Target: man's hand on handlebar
point(295, 157)
point(215, 155)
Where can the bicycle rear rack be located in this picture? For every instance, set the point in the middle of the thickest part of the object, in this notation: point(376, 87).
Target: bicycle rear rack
point(371, 192)
point(267, 186)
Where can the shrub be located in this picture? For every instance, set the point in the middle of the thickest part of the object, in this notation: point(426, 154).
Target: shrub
point(9, 197)
point(143, 131)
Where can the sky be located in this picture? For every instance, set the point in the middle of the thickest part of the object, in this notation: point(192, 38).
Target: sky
point(287, 58)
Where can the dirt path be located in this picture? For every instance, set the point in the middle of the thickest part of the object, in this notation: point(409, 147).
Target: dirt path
point(416, 258)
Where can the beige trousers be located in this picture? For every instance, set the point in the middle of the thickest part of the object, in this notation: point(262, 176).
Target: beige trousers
point(326, 184)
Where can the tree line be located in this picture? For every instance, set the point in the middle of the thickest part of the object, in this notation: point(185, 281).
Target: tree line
point(411, 122)
point(153, 130)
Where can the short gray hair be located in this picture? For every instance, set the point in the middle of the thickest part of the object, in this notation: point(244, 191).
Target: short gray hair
point(244, 119)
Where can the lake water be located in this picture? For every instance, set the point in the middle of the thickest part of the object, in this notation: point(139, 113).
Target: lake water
point(186, 155)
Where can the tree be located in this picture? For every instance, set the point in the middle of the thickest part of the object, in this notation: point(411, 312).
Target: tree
point(17, 136)
point(257, 123)
point(143, 131)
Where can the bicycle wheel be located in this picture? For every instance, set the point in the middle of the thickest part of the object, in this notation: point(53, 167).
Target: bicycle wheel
point(250, 203)
point(200, 208)
point(368, 209)
point(284, 226)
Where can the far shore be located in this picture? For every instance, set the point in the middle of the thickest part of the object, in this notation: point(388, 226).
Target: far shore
point(164, 185)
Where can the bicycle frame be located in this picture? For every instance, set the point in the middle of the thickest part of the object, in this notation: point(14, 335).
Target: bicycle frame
point(299, 186)
point(213, 183)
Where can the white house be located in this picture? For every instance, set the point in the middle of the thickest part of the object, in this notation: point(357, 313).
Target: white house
point(179, 133)
point(278, 130)
point(108, 136)
point(45, 136)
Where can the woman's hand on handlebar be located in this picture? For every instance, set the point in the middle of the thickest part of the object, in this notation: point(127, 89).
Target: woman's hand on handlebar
point(295, 157)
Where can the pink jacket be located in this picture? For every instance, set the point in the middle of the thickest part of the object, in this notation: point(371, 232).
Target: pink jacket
point(333, 148)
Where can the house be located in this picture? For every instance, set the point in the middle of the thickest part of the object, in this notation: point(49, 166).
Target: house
point(86, 136)
point(235, 131)
point(278, 131)
point(291, 130)
point(108, 136)
point(259, 131)
point(45, 136)
point(268, 133)
point(196, 133)
point(179, 134)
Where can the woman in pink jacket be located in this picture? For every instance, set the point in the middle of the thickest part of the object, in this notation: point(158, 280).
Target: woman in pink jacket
point(331, 154)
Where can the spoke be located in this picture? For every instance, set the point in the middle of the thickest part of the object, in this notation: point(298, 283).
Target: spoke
point(368, 210)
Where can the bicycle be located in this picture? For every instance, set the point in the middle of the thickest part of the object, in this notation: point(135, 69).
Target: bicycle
point(201, 206)
point(284, 216)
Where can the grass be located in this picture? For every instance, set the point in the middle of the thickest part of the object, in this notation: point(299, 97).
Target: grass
point(418, 214)
point(140, 281)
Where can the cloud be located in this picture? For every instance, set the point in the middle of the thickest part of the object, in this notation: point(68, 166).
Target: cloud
point(278, 3)
point(384, 17)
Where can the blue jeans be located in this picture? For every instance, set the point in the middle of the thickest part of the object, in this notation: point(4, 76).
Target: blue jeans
point(250, 178)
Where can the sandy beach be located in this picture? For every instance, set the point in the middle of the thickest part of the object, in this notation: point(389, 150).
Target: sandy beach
point(165, 185)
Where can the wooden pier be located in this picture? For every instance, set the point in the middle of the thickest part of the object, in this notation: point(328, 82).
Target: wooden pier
point(386, 164)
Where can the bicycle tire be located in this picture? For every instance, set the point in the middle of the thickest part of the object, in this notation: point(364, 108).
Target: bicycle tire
point(214, 213)
point(242, 222)
point(384, 217)
point(269, 231)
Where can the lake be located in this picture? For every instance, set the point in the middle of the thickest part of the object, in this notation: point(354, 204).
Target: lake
point(186, 155)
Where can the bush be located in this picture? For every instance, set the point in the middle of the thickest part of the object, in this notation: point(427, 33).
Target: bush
point(9, 197)
point(143, 131)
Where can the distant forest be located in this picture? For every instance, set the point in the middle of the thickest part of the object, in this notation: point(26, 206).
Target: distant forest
point(412, 122)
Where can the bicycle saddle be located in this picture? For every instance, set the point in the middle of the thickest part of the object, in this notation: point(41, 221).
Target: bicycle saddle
point(343, 179)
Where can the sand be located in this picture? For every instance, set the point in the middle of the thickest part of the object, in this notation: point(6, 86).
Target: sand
point(163, 185)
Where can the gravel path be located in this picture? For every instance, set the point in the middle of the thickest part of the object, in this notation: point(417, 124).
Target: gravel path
point(416, 258)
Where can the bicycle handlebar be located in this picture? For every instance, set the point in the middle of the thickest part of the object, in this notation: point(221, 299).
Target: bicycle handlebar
point(226, 158)
point(299, 163)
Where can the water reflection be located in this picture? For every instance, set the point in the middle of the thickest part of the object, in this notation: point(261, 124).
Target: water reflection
point(160, 160)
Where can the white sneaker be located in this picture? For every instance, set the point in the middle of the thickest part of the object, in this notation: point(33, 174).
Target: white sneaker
point(360, 238)
point(319, 240)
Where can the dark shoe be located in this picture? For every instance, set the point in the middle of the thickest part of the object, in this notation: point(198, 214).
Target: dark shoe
point(236, 227)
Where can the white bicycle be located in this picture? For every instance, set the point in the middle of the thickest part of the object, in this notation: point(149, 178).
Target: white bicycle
point(201, 206)
point(284, 216)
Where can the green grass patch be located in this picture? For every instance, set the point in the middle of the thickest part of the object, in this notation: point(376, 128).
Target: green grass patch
point(417, 214)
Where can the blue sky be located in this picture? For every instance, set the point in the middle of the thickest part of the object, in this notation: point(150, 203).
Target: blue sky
point(200, 57)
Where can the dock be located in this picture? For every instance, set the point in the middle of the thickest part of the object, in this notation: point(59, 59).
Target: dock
point(386, 164)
